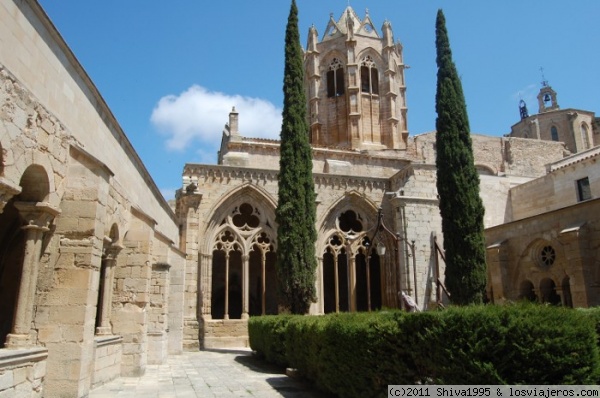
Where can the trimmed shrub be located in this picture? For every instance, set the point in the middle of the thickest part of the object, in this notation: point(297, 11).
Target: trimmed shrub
point(359, 354)
point(304, 345)
point(267, 335)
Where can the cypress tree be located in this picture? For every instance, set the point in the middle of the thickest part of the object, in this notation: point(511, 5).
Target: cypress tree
point(461, 207)
point(296, 209)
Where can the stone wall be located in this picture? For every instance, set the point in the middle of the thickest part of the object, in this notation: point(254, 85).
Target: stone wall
point(107, 359)
point(518, 157)
point(225, 334)
point(31, 44)
point(559, 187)
point(514, 254)
point(91, 210)
point(22, 372)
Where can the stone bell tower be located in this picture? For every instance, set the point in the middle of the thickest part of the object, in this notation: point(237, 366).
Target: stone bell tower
point(355, 85)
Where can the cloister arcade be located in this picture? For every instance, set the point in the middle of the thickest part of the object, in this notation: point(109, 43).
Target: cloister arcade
point(243, 275)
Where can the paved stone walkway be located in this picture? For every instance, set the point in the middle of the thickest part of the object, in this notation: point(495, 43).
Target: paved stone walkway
point(213, 373)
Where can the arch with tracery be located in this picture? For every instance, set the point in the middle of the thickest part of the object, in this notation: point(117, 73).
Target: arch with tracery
point(243, 277)
point(351, 272)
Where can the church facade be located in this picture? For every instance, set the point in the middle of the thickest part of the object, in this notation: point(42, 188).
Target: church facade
point(367, 169)
point(100, 277)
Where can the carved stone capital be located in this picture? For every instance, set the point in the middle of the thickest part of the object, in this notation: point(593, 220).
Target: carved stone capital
point(111, 253)
point(37, 215)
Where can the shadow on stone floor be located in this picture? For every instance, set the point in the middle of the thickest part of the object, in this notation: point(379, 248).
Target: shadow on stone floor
point(288, 387)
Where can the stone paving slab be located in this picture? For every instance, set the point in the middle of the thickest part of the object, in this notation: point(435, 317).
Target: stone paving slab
point(210, 373)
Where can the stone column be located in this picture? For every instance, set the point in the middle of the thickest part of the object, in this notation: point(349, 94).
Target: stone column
point(320, 286)
point(351, 264)
point(37, 217)
point(245, 285)
point(106, 306)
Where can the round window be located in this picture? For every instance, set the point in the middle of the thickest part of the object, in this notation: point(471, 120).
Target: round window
point(547, 256)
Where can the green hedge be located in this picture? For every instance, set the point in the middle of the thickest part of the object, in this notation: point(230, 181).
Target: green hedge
point(359, 354)
point(267, 337)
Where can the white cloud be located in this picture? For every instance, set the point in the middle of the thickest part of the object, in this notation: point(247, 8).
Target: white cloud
point(200, 114)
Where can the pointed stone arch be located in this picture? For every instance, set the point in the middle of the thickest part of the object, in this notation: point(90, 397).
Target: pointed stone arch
point(375, 56)
point(345, 270)
point(236, 197)
point(237, 256)
point(350, 200)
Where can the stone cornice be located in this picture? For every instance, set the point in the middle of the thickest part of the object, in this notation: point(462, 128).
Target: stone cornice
point(253, 145)
point(78, 152)
point(201, 171)
point(229, 172)
point(576, 158)
point(22, 356)
point(139, 213)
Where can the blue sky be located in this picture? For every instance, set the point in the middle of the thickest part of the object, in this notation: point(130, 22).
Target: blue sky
point(171, 71)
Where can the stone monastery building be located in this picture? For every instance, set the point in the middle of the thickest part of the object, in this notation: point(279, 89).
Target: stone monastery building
point(100, 277)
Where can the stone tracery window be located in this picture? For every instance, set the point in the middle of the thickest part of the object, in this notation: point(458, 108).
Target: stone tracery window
point(347, 282)
point(246, 217)
point(335, 79)
point(369, 76)
point(547, 256)
point(262, 275)
point(243, 266)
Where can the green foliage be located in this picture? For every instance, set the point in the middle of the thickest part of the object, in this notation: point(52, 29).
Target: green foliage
point(296, 209)
point(304, 345)
point(267, 335)
point(461, 207)
point(359, 354)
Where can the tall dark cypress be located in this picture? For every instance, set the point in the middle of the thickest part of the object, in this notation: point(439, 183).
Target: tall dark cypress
point(461, 207)
point(296, 210)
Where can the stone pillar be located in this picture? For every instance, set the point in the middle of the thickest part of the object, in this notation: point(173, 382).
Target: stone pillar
point(351, 264)
point(37, 217)
point(496, 259)
point(175, 299)
point(189, 214)
point(106, 306)
point(245, 285)
point(158, 318)
point(132, 299)
point(205, 285)
point(320, 286)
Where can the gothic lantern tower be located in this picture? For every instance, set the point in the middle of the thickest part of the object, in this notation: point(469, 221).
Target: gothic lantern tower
point(355, 85)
